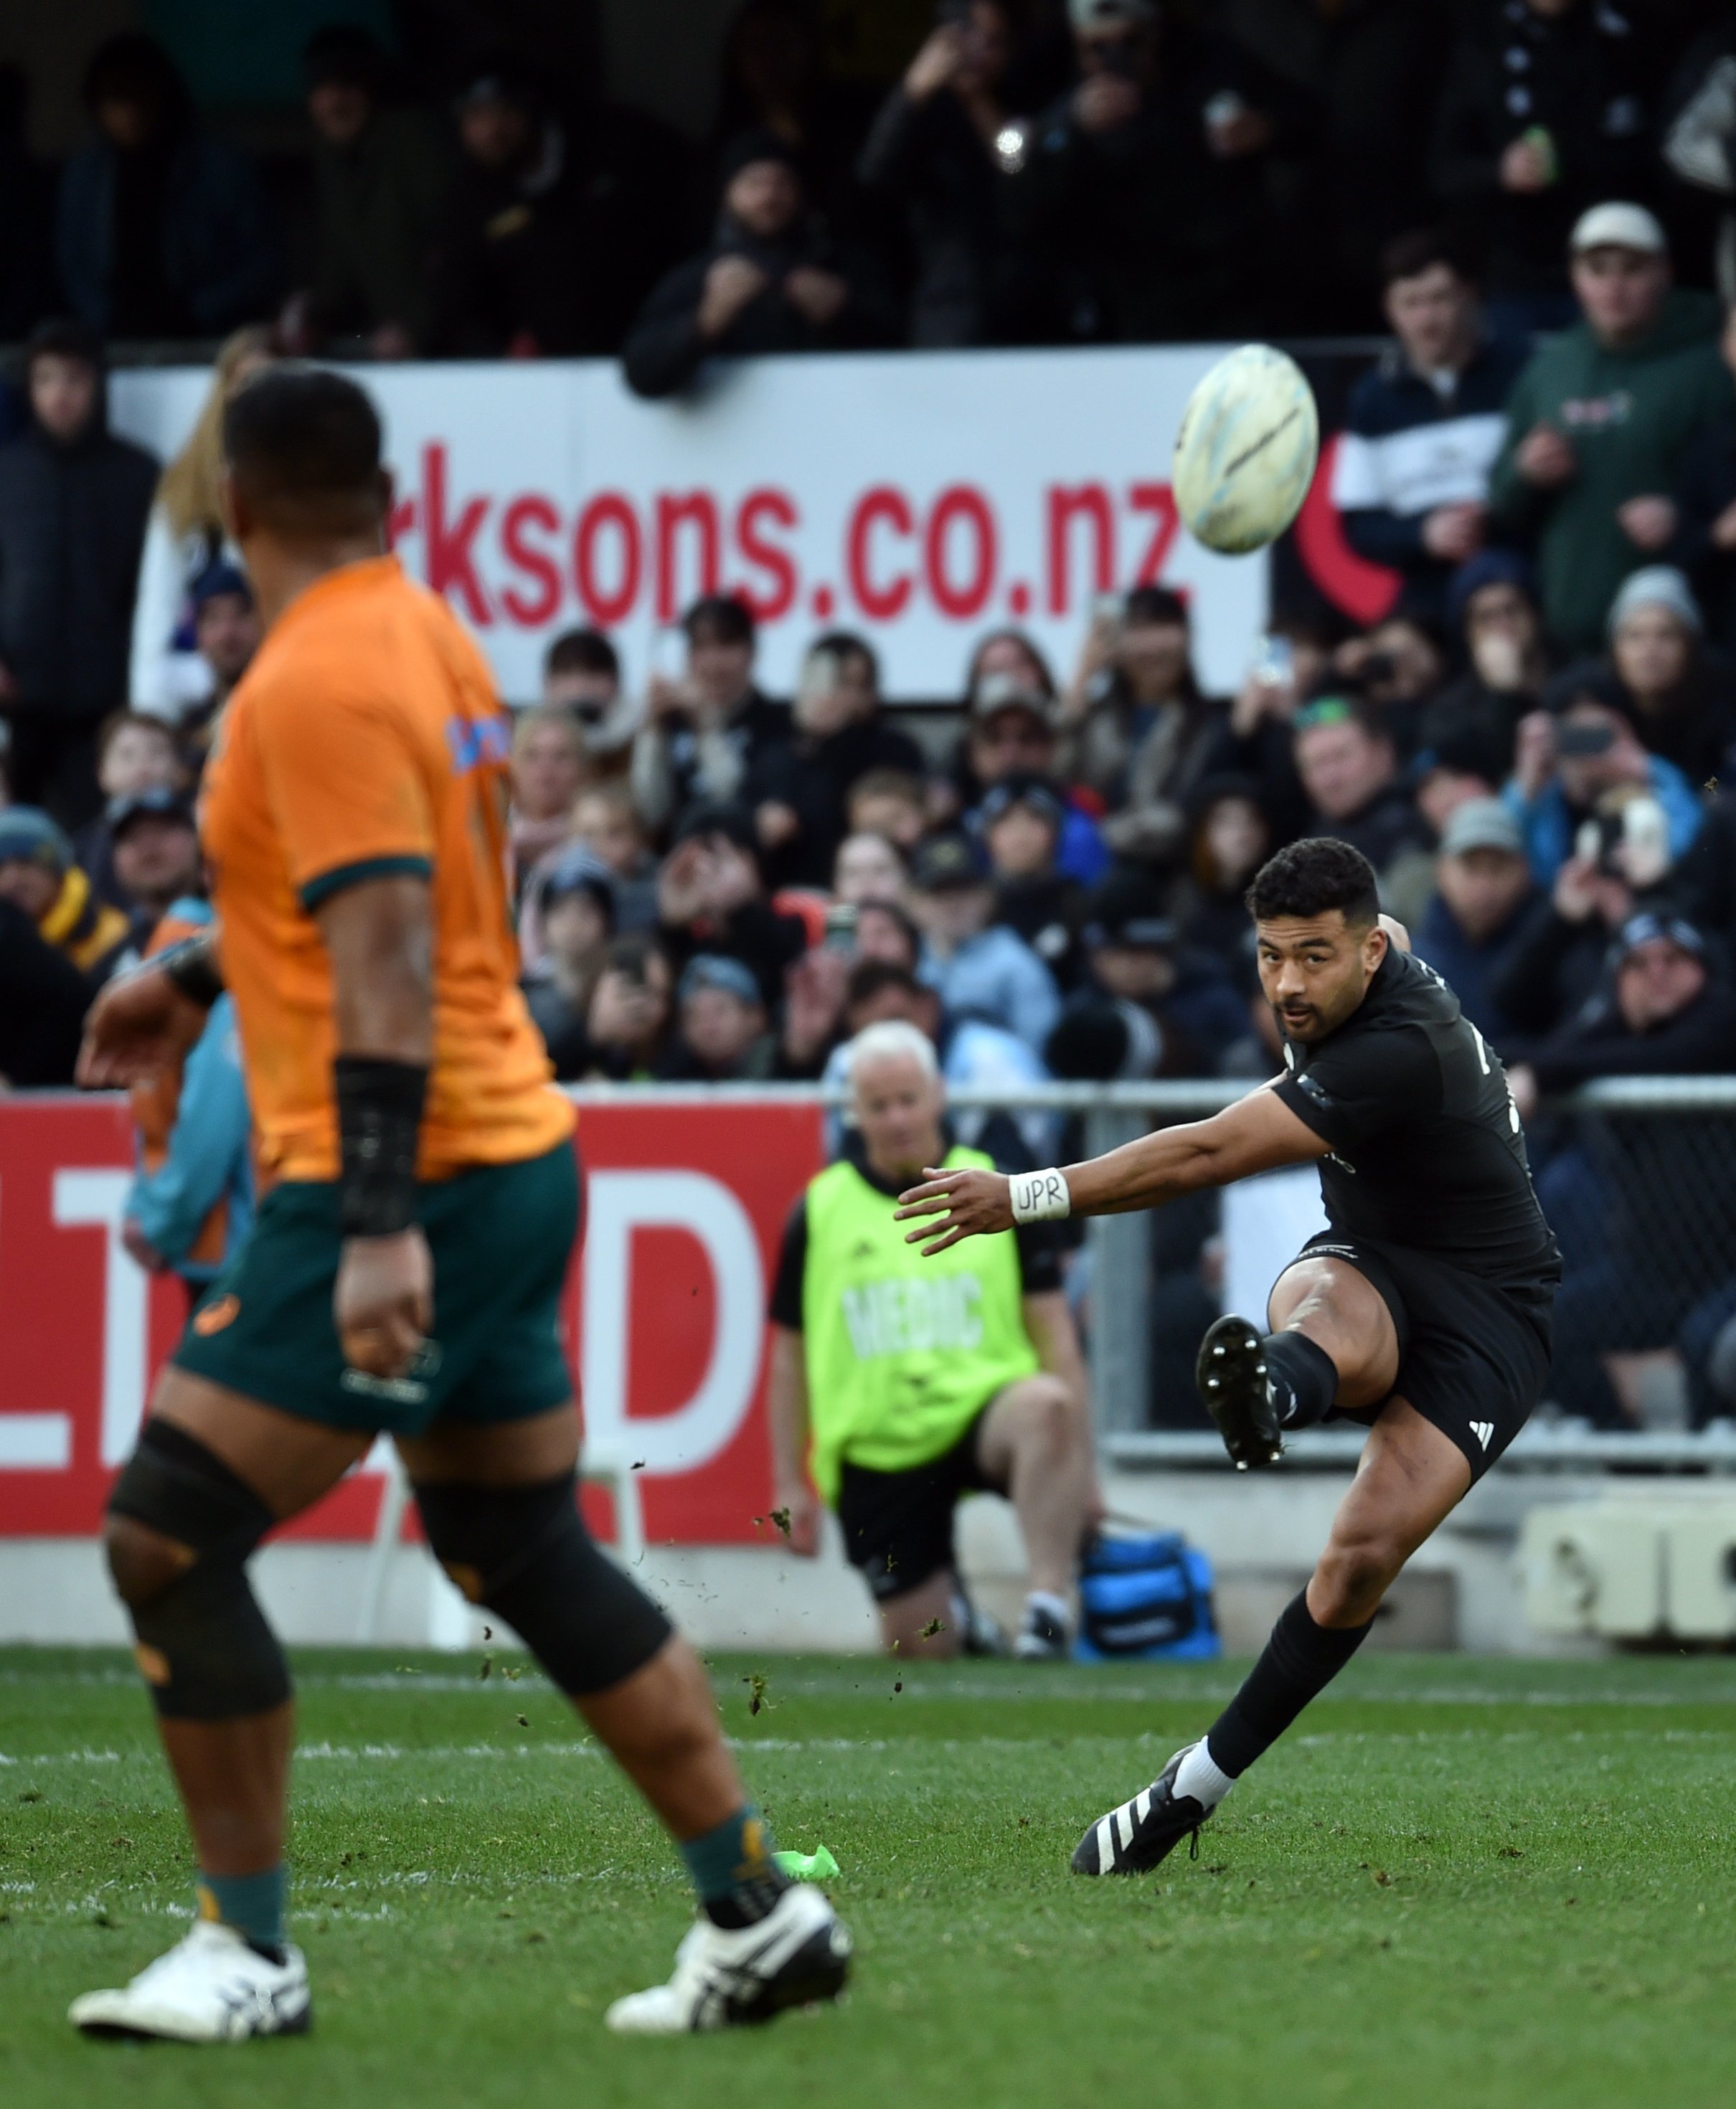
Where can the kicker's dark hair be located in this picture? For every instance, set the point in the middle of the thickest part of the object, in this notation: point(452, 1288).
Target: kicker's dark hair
point(303, 444)
point(1313, 877)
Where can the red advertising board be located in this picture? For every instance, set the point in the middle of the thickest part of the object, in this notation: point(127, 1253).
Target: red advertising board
point(665, 1318)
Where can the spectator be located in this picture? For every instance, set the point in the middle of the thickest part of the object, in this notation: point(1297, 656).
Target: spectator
point(1485, 896)
point(134, 753)
point(581, 673)
point(1138, 966)
point(1021, 821)
point(382, 178)
point(1231, 839)
point(1423, 427)
point(980, 968)
point(1136, 729)
point(769, 281)
point(629, 1011)
point(1492, 603)
point(72, 501)
point(891, 803)
point(1545, 113)
point(1704, 543)
point(191, 1199)
point(577, 908)
point(155, 848)
point(1701, 128)
point(710, 897)
point(30, 292)
point(185, 537)
point(799, 787)
point(1095, 203)
point(606, 822)
point(706, 731)
point(555, 230)
point(1348, 93)
point(163, 230)
point(1011, 731)
point(1444, 777)
point(897, 1401)
point(43, 998)
point(1602, 417)
point(1555, 964)
point(227, 631)
point(38, 876)
point(884, 932)
point(1396, 668)
point(774, 79)
point(722, 1032)
point(1643, 1240)
point(973, 1055)
point(1682, 702)
point(1293, 661)
point(1579, 768)
point(942, 150)
point(1350, 771)
point(868, 868)
point(548, 774)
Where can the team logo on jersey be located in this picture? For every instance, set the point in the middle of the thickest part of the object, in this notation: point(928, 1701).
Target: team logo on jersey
point(215, 1316)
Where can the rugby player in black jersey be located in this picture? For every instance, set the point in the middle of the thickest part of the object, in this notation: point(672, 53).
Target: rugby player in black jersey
point(1422, 1311)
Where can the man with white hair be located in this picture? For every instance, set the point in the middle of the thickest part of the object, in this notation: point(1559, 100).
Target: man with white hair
point(901, 1385)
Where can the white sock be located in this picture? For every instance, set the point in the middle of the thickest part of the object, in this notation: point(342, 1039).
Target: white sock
point(1053, 1606)
point(1197, 1777)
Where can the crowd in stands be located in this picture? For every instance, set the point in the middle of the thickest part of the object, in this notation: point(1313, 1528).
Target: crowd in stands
point(717, 883)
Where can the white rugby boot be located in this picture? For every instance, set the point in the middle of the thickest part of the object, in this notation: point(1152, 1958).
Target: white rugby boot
point(212, 1987)
point(734, 1977)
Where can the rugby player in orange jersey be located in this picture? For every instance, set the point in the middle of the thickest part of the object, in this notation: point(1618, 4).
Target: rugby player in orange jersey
point(405, 1269)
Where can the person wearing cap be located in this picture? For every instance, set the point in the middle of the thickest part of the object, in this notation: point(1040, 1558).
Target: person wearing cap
point(155, 852)
point(1682, 699)
point(557, 223)
point(979, 967)
point(1580, 760)
point(575, 901)
point(382, 176)
point(710, 897)
point(134, 753)
point(1013, 727)
point(1645, 1234)
point(74, 502)
point(721, 1031)
point(897, 1387)
point(1601, 421)
point(1423, 427)
point(1095, 204)
point(1137, 962)
point(1485, 898)
point(227, 633)
point(769, 281)
point(1545, 110)
point(1019, 823)
point(38, 876)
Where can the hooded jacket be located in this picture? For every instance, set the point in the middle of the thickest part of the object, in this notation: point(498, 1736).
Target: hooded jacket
point(72, 524)
point(1630, 416)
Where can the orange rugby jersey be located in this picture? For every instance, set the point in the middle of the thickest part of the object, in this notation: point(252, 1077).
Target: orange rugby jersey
point(365, 740)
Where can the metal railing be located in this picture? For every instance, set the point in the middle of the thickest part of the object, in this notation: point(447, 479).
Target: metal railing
point(1637, 1176)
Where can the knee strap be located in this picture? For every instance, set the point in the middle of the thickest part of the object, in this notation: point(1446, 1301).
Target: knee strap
point(204, 1646)
point(524, 1551)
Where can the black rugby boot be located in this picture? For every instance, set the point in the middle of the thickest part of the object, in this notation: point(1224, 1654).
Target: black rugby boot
point(1231, 1377)
point(1133, 1839)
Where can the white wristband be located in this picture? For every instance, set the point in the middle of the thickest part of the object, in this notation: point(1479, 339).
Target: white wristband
point(1040, 1197)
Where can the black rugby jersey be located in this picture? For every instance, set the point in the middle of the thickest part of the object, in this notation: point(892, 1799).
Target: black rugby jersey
point(1426, 1148)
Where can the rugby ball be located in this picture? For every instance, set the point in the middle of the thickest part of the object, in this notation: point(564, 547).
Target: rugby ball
point(1245, 453)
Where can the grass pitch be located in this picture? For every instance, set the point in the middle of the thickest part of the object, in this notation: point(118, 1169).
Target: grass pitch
point(1458, 1883)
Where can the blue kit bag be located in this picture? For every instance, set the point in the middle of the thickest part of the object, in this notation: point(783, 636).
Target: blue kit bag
point(1145, 1598)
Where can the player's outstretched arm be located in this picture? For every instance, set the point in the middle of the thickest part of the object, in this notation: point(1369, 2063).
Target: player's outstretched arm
point(144, 1021)
point(378, 934)
point(1258, 1133)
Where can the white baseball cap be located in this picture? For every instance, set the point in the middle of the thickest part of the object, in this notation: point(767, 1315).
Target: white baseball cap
point(1618, 226)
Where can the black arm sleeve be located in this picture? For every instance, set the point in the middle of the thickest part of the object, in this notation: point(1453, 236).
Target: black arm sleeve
point(786, 1289)
point(1352, 1093)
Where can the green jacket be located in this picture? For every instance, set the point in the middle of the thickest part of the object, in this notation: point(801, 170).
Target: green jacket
point(1630, 416)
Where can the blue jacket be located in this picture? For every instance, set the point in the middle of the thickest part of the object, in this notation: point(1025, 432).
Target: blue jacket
point(1548, 823)
point(1469, 970)
point(218, 253)
point(208, 1160)
point(996, 977)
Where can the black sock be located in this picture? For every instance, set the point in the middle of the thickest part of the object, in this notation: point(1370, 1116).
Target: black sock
point(1301, 1660)
point(1298, 1365)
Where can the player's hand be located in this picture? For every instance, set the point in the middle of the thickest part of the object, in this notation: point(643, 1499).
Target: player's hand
point(384, 1302)
point(1544, 457)
point(139, 1026)
point(957, 1204)
point(1648, 522)
point(801, 1505)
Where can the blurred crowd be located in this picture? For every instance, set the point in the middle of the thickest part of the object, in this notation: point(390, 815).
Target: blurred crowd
point(718, 884)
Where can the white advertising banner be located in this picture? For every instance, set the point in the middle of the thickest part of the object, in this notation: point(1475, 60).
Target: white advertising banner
point(921, 498)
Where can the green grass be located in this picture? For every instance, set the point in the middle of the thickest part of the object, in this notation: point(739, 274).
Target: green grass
point(1472, 1883)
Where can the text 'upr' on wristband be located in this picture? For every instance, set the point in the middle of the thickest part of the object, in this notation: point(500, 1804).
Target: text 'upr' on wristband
point(1040, 1197)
